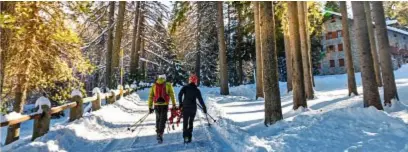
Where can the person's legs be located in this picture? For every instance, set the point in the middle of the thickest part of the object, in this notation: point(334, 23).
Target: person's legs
point(163, 118)
point(185, 123)
point(156, 111)
point(191, 124)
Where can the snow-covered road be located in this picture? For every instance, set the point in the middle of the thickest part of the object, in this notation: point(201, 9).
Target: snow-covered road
point(107, 130)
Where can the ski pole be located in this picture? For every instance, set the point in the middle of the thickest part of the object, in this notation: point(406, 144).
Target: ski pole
point(139, 121)
point(207, 113)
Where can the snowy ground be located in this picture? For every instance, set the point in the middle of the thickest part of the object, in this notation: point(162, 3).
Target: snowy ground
point(333, 122)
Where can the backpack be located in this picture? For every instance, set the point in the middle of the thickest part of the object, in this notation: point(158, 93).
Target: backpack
point(160, 94)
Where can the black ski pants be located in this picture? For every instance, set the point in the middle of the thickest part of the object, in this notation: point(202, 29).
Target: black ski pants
point(161, 118)
point(188, 119)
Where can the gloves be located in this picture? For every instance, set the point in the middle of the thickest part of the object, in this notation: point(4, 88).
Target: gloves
point(151, 110)
point(205, 110)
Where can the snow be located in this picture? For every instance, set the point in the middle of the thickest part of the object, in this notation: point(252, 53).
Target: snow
point(42, 101)
point(11, 116)
point(333, 121)
point(76, 93)
point(96, 90)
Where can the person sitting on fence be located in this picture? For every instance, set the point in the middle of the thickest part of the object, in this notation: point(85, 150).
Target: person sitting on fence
point(159, 96)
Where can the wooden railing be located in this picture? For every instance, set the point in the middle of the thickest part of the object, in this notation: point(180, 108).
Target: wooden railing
point(42, 120)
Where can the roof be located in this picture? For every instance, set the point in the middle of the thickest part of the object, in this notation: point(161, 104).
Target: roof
point(388, 23)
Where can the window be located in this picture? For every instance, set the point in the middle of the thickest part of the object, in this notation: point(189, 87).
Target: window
point(328, 36)
point(332, 63)
point(341, 62)
point(333, 19)
point(340, 33)
point(405, 37)
point(395, 35)
point(330, 48)
point(334, 35)
point(340, 47)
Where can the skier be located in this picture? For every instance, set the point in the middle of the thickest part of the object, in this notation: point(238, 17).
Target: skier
point(159, 96)
point(189, 107)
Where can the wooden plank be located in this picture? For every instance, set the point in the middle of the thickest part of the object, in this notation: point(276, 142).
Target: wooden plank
point(90, 99)
point(63, 107)
point(20, 120)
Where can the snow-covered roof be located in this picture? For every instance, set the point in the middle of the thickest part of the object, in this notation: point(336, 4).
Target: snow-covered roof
point(388, 23)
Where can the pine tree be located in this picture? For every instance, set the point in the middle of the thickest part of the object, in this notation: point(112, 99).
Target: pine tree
point(297, 80)
point(273, 109)
point(223, 51)
point(135, 54)
point(373, 46)
point(38, 57)
point(371, 96)
point(259, 79)
point(304, 51)
point(110, 46)
point(351, 80)
point(116, 45)
point(390, 88)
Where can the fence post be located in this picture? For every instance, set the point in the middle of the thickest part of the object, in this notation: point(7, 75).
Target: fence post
point(96, 105)
point(112, 99)
point(77, 111)
point(121, 93)
point(42, 124)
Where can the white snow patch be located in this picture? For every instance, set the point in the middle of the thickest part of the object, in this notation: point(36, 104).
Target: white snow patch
point(96, 90)
point(42, 101)
point(76, 93)
point(10, 116)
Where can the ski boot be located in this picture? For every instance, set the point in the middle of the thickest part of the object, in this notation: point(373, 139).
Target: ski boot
point(160, 138)
point(187, 140)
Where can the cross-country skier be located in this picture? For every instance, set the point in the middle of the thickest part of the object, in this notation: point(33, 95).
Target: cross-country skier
point(189, 106)
point(159, 96)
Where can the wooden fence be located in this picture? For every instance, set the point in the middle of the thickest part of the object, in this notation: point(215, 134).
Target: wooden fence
point(42, 120)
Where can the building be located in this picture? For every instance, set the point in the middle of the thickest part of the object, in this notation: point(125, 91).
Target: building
point(333, 61)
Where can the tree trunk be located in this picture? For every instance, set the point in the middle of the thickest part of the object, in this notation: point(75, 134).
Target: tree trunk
point(304, 51)
point(288, 61)
point(144, 64)
point(108, 79)
point(135, 54)
point(259, 81)
point(198, 55)
point(118, 38)
point(273, 109)
point(351, 80)
point(390, 88)
point(373, 45)
point(299, 99)
point(309, 43)
point(371, 96)
point(239, 45)
point(228, 25)
point(223, 51)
